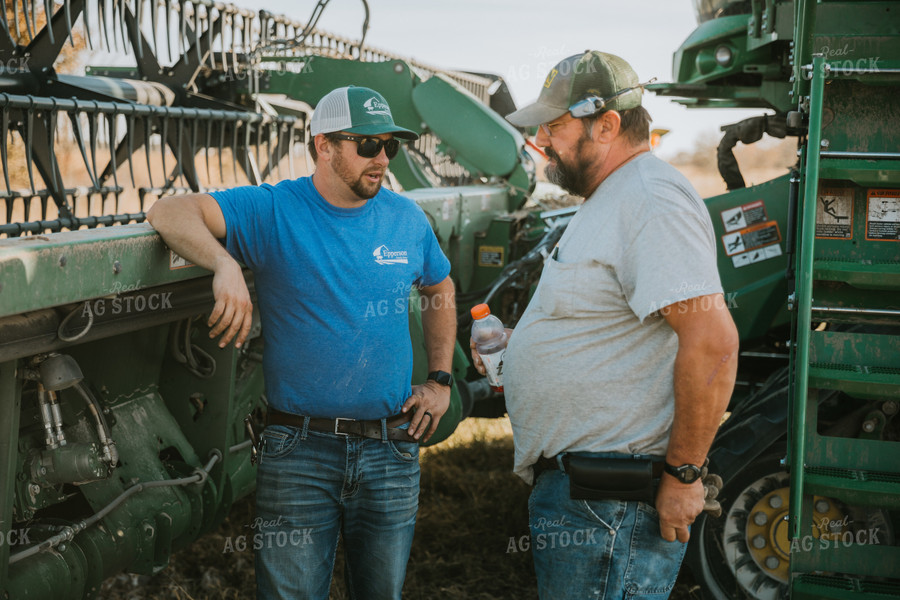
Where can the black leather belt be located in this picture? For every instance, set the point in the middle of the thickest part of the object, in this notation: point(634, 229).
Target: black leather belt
point(340, 426)
point(549, 464)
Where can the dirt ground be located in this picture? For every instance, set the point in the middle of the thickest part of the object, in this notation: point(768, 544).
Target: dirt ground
point(470, 506)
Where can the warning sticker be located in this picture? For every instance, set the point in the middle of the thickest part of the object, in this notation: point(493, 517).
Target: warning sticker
point(883, 215)
point(177, 262)
point(744, 216)
point(834, 214)
point(754, 256)
point(751, 238)
point(490, 256)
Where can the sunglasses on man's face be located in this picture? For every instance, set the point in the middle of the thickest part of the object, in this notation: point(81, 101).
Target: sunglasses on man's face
point(370, 147)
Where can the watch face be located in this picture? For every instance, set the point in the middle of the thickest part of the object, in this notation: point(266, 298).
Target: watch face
point(684, 473)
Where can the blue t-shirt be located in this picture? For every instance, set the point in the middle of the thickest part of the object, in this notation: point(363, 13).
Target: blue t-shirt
point(333, 291)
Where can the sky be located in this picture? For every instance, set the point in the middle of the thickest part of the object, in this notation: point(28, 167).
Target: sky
point(522, 40)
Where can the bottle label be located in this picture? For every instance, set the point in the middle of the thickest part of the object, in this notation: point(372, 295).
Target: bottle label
point(493, 366)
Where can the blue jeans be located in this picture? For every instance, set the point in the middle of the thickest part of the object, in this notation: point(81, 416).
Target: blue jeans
point(598, 549)
point(313, 487)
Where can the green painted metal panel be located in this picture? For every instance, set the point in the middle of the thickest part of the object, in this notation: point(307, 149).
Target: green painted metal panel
point(62, 268)
point(474, 133)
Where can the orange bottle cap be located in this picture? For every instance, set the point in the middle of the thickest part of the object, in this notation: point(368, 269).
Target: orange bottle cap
point(480, 311)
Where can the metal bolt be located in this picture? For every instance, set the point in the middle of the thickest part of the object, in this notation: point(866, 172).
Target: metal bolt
point(35, 489)
point(775, 501)
point(889, 408)
point(61, 547)
point(869, 426)
point(824, 143)
point(63, 260)
point(43, 470)
point(759, 542)
point(117, 267)
point(822, 506)
point(772, 562)
point(760, 518)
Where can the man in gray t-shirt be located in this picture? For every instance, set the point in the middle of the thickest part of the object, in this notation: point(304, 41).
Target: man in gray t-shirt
point(626, 352)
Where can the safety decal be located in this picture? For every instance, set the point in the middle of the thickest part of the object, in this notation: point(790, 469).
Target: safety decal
point(834, 214)
point(745, 215)
point(490, 256)
point(177, 262)
point(883, 215)
point(751, 238)
point(754, 256)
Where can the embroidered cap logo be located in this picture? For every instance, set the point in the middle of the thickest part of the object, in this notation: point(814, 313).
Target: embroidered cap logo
point(374, 106)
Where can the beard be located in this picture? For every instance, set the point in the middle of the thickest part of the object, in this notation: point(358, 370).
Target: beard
point(571, 177)
point(360, 184)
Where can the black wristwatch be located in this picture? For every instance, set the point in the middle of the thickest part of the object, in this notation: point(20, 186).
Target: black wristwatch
point(441, 377)
point(684, 473)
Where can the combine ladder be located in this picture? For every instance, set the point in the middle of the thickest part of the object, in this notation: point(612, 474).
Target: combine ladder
point(845, 474)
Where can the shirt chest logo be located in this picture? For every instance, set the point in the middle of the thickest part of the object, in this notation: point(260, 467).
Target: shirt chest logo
point(383, 256)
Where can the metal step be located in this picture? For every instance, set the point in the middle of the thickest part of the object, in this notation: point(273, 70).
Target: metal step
point(859, 381)
point(826, 587)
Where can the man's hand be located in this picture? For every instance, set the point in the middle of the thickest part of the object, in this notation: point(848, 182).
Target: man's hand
point(429, 402)
point(678, 505)
point(233, 312)
point(476, 358)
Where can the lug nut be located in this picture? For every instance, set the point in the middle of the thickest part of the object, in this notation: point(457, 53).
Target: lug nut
point(775, 501)
point(759, 542)
point(760, 518)
point(772, 563)
point(822, 506)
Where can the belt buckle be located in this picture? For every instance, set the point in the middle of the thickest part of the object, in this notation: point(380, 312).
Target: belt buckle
point(337, 423)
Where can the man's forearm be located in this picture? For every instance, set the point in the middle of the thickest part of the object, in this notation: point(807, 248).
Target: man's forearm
point(180, 223)
point(439, 325)
point(704, 381)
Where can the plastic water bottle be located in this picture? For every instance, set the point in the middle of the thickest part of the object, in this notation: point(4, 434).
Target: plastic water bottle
point(490, 342)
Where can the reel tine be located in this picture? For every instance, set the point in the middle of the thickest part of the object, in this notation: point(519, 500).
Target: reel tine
point(209, 36)
point(55, 174)
point(168, 8)
point(182, 25)
point(129, 140)
point(48, 15)
point(219, 150)
point(67, 6)
point(111, 124)
point(269, 147)
point(3, 19)
point(148, 131)
point(26, 5)
point(278, 147)
point(93, 130)
point(139, 18)
point(76, 131)
point(259, 128)
point(178, 153)
point(291, 128)
point(154, 21)
point(164, 140)
point(4, 139)
point(234, 46)
point(192, 146)
point(197, 35)
point(234, 148)
point(102, 13)
point(15, 11)
point(29, 144)
point(123, 32)
point(224, 15)
point(208, 144)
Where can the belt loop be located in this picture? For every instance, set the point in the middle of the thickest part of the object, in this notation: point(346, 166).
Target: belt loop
point(559, 462)
point(304, 433)
point(384, 436)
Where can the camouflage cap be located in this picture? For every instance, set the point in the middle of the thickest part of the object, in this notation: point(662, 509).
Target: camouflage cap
point(591, 73)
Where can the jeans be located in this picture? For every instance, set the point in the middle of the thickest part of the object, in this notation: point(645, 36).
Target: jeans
point(598, 549)
point(313, 487)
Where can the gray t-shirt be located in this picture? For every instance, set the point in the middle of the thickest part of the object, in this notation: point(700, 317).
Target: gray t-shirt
point(589, 367)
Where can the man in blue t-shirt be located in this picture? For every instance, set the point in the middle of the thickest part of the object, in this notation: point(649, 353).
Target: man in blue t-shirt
point(334, 257)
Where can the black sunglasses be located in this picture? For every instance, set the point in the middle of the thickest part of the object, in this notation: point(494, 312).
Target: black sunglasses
point(370, 147)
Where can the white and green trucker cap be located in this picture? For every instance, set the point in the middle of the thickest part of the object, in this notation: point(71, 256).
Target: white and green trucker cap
point(356, 110)
point(577, 77)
